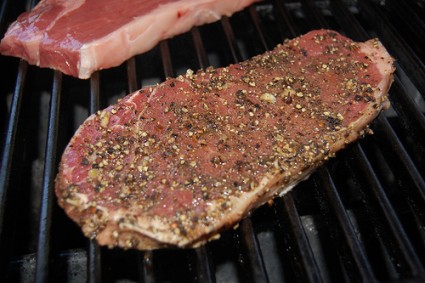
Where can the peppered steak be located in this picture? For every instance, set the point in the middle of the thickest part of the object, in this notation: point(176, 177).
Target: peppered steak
point(81, 36)
point(176, 163)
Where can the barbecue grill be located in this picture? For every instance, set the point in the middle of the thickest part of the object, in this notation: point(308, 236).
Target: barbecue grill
point(360, 218)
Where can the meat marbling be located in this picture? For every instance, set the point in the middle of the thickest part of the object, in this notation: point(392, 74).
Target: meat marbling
point(81, 36)
point(176, 163)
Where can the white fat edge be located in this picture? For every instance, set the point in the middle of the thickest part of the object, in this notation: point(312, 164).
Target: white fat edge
point(292, 184)
point(152, 227)
point(87, 63)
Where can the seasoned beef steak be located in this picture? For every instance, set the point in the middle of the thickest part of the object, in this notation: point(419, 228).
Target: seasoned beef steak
point(79, 37)
point(174, 164)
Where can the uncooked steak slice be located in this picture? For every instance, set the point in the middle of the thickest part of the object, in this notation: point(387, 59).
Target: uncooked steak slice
point(79, 37)
point(175, 164)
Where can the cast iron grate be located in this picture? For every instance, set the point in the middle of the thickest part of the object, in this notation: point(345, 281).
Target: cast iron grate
point(359, 218)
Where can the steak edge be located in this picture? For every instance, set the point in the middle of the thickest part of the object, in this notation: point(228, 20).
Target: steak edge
point(174, 164)
point(82, 36)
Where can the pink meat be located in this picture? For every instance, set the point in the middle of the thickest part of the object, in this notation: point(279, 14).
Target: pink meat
point(175, 164)
point(81, 36)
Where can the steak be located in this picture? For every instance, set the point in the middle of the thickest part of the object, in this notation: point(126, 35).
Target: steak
point(81, 36)
point(174, 164)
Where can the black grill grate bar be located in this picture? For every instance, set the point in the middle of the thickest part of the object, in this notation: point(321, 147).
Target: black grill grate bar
point(93, 253)
point(401, 155)
point(403, 247)
point(93, 263)
point(231, 40)
point(309, 265)
point(94, 92)
point(391, 38)
point(3, 11)
point(200, 49)
point(313, 13)
point(347, 21)
point(251, 248)
point(146, 272)
point(403, 12)
point(406, 108)
point(131, 75)
point(258, 26)
point(166, 58)
point(339, 212)
point(45, 218)
point(10, 138)
point(205, 270)
point(283, 15)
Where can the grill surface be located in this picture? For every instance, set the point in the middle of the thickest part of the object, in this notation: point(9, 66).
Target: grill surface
point(359, 218)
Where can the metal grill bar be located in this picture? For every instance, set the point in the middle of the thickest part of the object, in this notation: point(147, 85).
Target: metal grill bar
point(94, 93)
point(402, 244)
point(131, 75)
point(43, 244)
point(205, 270)
point(3, 11)
point(93, 253)
point(200, 49)
point(363, 268)
point(9, 143)
point(412, 118)
point(313, 13)
point(309, 265)
point(405, 14)
point(347, 21)
point(166, 58)
point(257, 270)
point(286, 19)
point(258, 27)
point(147, 274)
point(401, 155)
point(231, 40)
point(7, 160)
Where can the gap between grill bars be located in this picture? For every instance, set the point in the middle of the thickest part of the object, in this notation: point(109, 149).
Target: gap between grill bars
point(359, 218)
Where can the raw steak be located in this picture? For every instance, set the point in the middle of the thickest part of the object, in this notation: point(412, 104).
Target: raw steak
point(175, 164)
point(79, 37)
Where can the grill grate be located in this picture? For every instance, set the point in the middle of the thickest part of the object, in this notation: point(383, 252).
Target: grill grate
point(359, 218)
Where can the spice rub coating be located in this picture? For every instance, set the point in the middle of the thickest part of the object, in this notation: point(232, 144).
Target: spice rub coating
point(176, 163)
